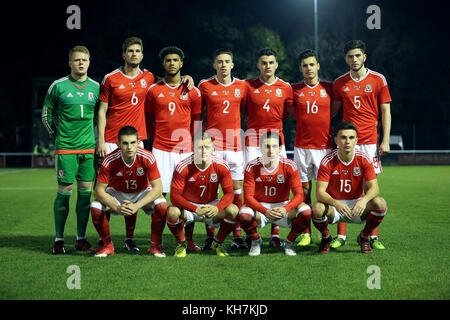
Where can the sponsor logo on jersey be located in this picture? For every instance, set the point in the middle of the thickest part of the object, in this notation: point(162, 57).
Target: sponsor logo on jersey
point(345, 172)
point(140, 171)
point(225, 92)
point(280, 178)
point(161, 95)
point(335, 172)
point(70, 95)
point(323, 93)
point(357, 87)
point(213, 177)
point(301, 94)
point(119, 174)
point(258, 179)
point(202, 177)
point(279, 92)
point(269, 91)
point(256, 91)
point(80, 94)
point(356, 171)
point(346, 89)
point(191, 179)
point(237, 93)
point(143, 83)
point(312, 94)
point(368, 88)
point(132, 84)
point(122, 86)
point(129, 172)
point(214, 93)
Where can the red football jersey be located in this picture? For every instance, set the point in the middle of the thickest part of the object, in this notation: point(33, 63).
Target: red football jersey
point(223, 111)
point(262, 185)
point(312, 112)
point(266, 105)
point(360, 102)
point(128, 178)
point(346, 180)
point(125, 97)
point(172, 109)
point(190, 183)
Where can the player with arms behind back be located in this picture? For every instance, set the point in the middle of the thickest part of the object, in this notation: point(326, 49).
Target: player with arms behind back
point(194, 195)
point(268, 98)
point(347, 190)
point(223, 97)
point(268, 182)
point(360, 93)
point(312, 103)
point(72, 99)
point(129, 180)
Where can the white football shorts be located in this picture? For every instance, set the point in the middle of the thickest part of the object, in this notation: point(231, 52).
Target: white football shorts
point(235, 160)
point(167, 161)
point(308, 162)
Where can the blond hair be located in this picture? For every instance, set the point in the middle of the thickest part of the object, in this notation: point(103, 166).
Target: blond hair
point(82, 49)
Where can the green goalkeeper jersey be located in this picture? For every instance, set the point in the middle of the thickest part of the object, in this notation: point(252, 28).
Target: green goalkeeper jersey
point(68, 113)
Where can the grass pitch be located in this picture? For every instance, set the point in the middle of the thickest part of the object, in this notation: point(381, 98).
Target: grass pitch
point(415, 264)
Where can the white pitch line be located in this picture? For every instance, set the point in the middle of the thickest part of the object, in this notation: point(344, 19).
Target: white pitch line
point(26, 188)
point(17, 171)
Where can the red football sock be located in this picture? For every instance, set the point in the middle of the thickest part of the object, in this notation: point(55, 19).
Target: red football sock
point(373, 219)
point(158, 222)
point(237, 200)
point(374, 232)
point(210, 230)
point(237, 232)
point(189, 231)
point(226, 226)
point(307, 196)
point(322, 226)
point(249, 224)
point(275, 230)
point(342, 229)
point(176, 227)
point(101, 224)
point(299, 224)
point(130, 223)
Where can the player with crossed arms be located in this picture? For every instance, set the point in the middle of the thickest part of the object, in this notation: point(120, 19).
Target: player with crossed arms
point(347, 190)
point(268, 182)
point(194, 195)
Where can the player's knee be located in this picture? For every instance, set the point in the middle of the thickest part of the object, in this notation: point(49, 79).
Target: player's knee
point(378, 203)
point(97, 210)
point(246, 215)
point(304, 211)
point(318, 210)
point(173, 212)
point(232, 211)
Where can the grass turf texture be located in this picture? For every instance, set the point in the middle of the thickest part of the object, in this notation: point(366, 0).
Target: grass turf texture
point(415, 264)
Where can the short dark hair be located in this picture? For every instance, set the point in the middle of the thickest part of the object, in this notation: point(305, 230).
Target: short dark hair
point(223, 51)
point(170, 50)
point(354, 44)
point(128, 131)
point(130, 41)
point(345, 125)
point(271, 134)
point(267, 52)
point(306, 54)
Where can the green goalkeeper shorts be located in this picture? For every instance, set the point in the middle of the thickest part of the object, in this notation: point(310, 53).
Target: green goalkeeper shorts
point(74, 166)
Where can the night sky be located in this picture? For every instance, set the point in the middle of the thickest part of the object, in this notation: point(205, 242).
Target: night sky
point(410, 50)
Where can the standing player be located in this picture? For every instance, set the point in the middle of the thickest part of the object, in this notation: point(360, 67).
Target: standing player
point(268, 182)
point(312, 102)
point(344, 174)
point(122, 99)
point(195, 187)
point(72, 99)
point(172, 109)
point(268, 98)
point(129, 180)
point(360, 93)
point(224, 97)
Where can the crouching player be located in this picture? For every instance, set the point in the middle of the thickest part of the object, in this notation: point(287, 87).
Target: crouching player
point(343, 175)
point(194, 191)
point(129, 180)
point(268, 182)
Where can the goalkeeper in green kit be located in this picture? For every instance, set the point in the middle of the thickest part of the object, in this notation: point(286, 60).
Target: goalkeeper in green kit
point(68, 115)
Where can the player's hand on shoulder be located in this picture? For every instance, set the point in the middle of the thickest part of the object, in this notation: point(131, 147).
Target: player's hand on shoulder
point(187, 79)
